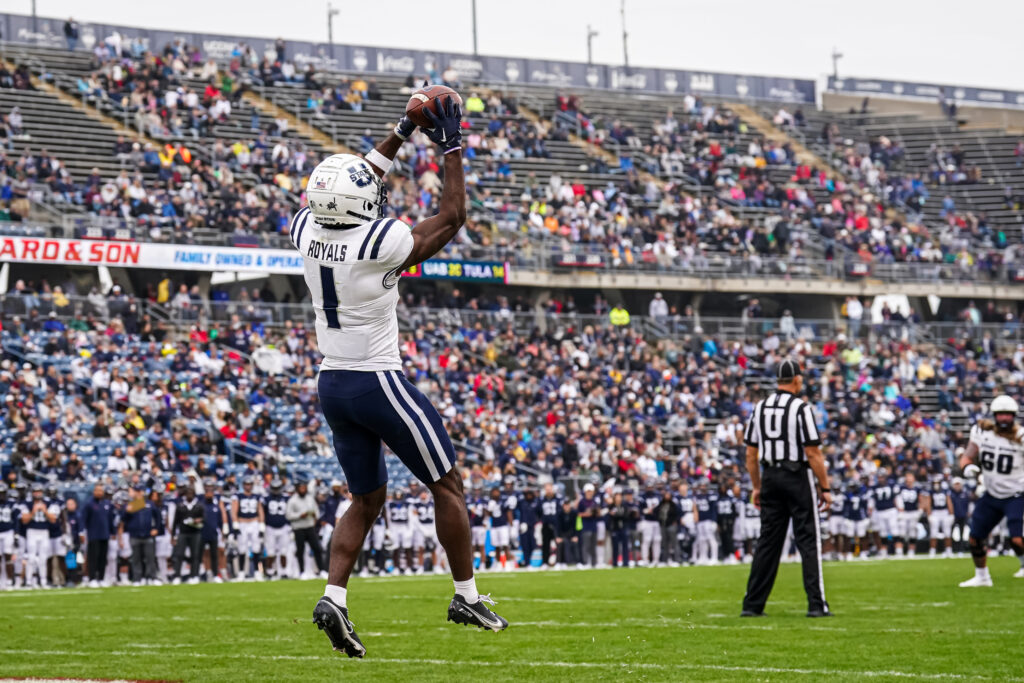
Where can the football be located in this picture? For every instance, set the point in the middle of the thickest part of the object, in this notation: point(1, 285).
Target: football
point(424, 98)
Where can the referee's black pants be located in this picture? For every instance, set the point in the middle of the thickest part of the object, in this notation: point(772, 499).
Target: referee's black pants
point(787, 494)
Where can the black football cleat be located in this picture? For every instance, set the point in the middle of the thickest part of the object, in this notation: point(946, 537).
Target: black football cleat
point(477, 614)
point(818, 613)
point(751, 613)
point(334, 621)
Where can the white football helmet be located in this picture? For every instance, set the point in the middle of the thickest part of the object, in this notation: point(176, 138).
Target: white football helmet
point(343, 190)
point(1003, 404)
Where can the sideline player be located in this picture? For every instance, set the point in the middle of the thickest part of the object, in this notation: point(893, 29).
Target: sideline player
point(353, 258)
point(996, 445)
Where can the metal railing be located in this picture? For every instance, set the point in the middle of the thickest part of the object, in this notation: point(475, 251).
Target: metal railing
point(671, 327)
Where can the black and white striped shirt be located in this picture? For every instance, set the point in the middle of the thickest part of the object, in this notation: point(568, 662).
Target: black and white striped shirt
point(781, 426)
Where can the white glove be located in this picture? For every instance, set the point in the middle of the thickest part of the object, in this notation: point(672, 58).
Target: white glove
point(226, 530)
point(972, 471)
point(263, 527)
point(522, 527)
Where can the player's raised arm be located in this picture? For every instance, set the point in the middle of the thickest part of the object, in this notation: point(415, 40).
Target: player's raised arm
point(431, 235)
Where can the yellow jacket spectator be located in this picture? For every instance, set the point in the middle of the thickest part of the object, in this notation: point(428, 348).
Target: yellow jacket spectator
point(474, 105)
point(618, 316)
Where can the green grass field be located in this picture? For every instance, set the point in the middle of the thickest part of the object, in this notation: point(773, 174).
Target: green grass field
point(895, 619)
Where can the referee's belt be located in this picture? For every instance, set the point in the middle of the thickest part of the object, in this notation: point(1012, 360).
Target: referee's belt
point(788, 465)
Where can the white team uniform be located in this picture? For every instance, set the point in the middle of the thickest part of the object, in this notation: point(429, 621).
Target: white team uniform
point(1001, 461)
point(940, 519)
point(352, 275)
point(423, 528)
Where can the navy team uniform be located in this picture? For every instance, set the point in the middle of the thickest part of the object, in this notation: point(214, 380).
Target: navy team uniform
point(961, 506)
point(884, 518)
point(527, 526)
point(549, 510)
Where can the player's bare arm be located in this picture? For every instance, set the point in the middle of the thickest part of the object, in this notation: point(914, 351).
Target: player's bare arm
point(431, 235)
point(970, 456)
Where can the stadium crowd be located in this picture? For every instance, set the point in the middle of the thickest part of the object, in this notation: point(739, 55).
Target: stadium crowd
point(639, 438)
point(177, 94)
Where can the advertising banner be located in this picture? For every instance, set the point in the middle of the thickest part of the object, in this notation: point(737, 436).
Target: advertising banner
point(87, 252)
point(984, 97)
point(491, 272)
point(48, 31)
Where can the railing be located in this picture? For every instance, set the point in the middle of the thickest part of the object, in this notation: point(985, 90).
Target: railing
point(672, 327)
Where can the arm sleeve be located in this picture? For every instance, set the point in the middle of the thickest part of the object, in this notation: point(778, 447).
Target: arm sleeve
point(297, 227)
point(392, 244)
point(808, 429)
point(751, 435)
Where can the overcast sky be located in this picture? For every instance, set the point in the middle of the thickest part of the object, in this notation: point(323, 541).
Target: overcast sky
point(975, 43)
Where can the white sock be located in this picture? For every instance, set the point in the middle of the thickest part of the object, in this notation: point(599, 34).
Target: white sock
point(981, 572)
point(467, 589)
point(337, 594)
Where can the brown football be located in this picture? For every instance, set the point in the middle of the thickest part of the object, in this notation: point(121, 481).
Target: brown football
point(425, 98)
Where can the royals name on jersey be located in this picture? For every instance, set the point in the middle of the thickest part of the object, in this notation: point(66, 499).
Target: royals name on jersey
point(352, 275)
point(1001, 461)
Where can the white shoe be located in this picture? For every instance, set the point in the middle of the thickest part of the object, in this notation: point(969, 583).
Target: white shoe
point(176, 581)
point(156, 582)
point(1019, 574)
point(364, 573)
point(94, 584)
point(193, 581)
point(323, 575)
point(978, 581)
point(931, 552)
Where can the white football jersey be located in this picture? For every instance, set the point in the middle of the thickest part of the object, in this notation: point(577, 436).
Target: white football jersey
point(1001, 461)
point(352, 275)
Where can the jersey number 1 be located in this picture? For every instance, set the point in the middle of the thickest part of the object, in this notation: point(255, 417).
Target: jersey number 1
point(330, 297)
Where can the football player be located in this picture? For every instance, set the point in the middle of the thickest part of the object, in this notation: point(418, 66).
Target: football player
point(650, 529)
point(499, 517)
point(836, 523)
point(353, 258)
point(37, 517)
point(279, 532)
point(9, 510)
point(961, 499)
point(549, 508)
point(940, 517)
point(995, 450)
point(706, 548)
point(248, 518)
point(908, 501)
point(398, 511)
point(884, 520)
point(424, 534)
point(855, 517)
point(688, 521)
point(476, 506)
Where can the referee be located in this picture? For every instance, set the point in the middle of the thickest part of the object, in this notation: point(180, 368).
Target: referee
point(782, 435)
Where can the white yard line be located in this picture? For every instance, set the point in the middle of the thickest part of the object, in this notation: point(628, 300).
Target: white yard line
point(623, 666)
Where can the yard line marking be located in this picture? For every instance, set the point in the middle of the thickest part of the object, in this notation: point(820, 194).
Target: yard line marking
point(666, 622)
point(626, 666)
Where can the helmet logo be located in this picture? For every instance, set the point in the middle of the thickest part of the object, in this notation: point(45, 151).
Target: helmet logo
point(332, 205)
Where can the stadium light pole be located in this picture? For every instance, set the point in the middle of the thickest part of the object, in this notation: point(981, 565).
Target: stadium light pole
point(591, 34)
point(625, 50)
point(34, 29)
point(475, 53)
point(331, 13)
point(836, 56)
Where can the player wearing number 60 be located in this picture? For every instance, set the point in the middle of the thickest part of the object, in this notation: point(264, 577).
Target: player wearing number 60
point(997, 445)
point(353, 256)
